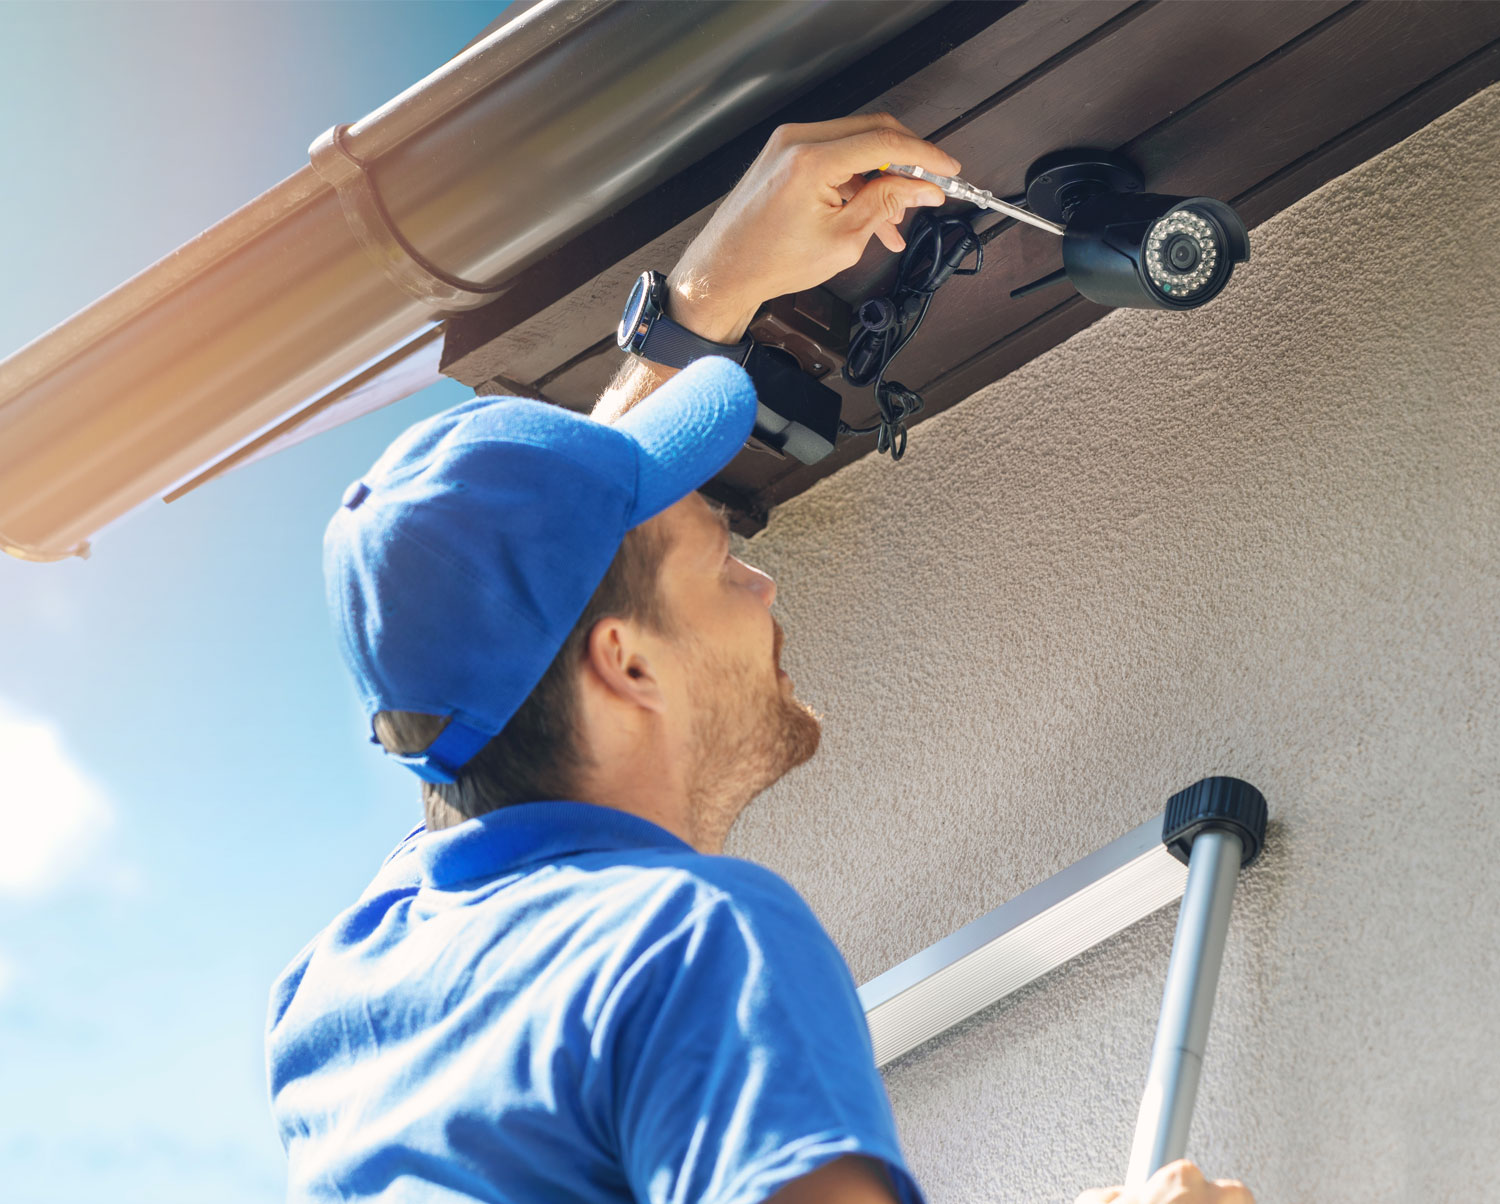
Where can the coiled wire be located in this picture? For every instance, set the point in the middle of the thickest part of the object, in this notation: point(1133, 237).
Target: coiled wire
point(935, 249)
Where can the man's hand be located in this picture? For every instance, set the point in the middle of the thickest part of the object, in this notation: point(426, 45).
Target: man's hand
point(1178, 1182)
point(801, 214)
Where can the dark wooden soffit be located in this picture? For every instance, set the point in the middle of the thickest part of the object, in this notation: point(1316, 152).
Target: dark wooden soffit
point(1257, 102)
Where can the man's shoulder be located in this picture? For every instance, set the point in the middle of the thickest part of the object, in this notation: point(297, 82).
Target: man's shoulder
point(701, 880)
point(731, 902)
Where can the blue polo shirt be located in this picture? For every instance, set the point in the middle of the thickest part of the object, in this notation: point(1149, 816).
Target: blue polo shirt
point(564, 1002)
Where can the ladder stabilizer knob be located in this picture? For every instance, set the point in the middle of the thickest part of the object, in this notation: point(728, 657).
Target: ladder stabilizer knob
point(1225, 803)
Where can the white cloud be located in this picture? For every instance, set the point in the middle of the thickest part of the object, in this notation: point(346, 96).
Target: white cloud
point(53, 816)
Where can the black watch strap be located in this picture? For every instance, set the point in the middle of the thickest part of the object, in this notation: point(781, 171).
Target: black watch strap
point(646, 331)
point(675, 346)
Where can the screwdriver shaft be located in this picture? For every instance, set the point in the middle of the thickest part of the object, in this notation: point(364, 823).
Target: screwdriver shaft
point(962, 190)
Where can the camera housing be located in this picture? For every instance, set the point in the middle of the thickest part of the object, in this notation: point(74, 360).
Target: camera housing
point(1125, 248)
point(1145, 251)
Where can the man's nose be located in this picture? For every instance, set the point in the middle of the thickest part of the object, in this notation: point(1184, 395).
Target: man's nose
point(762, 584)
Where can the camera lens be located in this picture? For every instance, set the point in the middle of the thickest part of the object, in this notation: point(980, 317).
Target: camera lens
point(1182, 253)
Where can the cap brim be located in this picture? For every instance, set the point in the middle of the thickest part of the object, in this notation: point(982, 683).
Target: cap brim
point(687, 431)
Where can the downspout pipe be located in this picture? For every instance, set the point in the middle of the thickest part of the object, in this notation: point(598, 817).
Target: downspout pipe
point(512, 148)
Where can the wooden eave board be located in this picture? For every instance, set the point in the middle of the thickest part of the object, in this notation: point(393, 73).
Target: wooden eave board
point(1257, 102)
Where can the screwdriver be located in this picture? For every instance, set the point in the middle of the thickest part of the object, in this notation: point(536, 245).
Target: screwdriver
point(962, 190)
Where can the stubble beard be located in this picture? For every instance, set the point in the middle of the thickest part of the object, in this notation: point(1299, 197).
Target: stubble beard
point(746, 736)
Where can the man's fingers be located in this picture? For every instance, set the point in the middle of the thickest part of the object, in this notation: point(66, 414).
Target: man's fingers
point(905, 193)
point(849, 189)
point(884, 202)
point(1182, 1174)
point(873, 149)
point(1172, 1181)
point(879, 206)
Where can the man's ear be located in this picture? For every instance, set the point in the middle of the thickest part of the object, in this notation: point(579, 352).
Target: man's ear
point(617, 658)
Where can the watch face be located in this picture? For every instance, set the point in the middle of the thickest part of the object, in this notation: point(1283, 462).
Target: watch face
point(629, 336)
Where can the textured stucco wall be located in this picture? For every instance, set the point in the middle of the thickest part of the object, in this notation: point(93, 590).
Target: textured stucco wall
point(1261, 539)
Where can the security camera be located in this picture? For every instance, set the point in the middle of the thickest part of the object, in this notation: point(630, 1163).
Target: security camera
point(1125, 248)
point(1153, 252)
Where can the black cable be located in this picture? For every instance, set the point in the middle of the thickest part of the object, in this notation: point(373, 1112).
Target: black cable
point(935, 249)
point(1000, 227)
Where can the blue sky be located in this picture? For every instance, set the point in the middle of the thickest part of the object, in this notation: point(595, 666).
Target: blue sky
point(183, 783)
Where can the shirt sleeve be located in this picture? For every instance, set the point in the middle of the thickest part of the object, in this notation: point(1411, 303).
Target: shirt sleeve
point(739, 1056)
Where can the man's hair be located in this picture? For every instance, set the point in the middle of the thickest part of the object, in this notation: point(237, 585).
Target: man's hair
point(537, 755)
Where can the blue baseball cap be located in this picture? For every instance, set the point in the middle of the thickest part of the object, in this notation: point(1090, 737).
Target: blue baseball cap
point(457, 565)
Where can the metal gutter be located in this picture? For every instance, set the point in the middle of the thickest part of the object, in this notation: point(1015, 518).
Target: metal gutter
point(280, 305)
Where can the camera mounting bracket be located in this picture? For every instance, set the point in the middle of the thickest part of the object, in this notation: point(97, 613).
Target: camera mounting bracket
point(1061, 180)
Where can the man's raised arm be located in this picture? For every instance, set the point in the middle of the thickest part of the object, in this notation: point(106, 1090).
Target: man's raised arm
point(801, 214)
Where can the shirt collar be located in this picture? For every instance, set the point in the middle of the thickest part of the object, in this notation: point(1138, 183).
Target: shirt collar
point(528, 832)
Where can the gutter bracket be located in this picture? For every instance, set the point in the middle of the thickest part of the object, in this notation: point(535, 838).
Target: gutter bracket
point(370, 223)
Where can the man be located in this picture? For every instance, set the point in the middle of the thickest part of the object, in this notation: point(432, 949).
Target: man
point(558, 989)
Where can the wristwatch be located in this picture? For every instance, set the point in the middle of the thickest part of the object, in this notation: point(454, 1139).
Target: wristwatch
point(646, 331)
